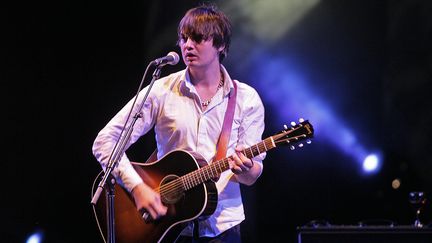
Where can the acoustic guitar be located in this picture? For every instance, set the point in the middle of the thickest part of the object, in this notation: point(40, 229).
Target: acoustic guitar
point(186, 187)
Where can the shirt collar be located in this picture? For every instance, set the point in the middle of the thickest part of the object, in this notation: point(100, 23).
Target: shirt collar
point(187, 86)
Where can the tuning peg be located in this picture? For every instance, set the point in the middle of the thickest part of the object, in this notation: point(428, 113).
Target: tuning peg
point(285, 127)
point(300, 145)
point(293, 124)
point(308, 141)
point(301, 120)
point(292, 147)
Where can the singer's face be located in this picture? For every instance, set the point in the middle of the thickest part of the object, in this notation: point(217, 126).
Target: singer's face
point(198, 54)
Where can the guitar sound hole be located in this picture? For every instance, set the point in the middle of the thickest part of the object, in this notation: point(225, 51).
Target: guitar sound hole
point(172, 190)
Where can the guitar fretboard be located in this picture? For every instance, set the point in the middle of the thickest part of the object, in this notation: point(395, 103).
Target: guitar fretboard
point(214, 169)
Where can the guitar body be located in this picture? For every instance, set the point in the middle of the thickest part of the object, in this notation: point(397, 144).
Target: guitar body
point(183, 206)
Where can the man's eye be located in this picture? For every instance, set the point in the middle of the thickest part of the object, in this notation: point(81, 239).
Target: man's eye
point(198, 38)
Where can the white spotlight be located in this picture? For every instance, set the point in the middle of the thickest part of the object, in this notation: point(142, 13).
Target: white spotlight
point(371, 163)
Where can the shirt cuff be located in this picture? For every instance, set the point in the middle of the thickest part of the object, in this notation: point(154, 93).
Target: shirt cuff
point(128, 174)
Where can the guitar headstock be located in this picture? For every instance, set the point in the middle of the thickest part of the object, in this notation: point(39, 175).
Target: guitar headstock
point(295, 134)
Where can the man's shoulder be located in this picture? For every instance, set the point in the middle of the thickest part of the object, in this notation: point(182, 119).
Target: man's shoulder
point(245, 88)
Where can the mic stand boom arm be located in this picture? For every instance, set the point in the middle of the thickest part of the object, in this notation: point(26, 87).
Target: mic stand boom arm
point(118, 152)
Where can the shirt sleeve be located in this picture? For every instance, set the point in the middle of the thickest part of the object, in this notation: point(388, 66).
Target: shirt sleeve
point(252, 125)
point(108, 136)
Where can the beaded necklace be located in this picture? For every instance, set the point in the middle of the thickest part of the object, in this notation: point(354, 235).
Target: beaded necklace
point(221, 83)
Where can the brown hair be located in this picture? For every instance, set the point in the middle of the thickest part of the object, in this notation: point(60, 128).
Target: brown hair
point(205, 22)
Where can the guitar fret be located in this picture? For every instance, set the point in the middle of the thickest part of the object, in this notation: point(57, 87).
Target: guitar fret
point(191, 178)
point(187, 182)
point(222, 165)
point(211, 172)
point(204, 176)
point(198, 177)
point(208, 174)
point(251, 152)
point(214, 171)
point(183, 183)
point(190, 181)
point(184, 179)
point(226, 165)
point(257, 149)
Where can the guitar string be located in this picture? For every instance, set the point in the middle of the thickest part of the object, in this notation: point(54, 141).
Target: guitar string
point(192, 178)
point(174, 187)
point(195, 178)
point(174, 184)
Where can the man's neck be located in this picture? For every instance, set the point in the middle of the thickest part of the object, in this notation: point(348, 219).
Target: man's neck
point(205, 77)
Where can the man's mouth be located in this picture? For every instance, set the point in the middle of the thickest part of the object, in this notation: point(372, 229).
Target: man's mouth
point(188, 55)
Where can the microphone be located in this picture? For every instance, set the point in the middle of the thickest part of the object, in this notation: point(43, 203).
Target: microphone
point(171, 58)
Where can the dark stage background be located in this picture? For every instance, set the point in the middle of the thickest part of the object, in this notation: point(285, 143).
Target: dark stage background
point(68, 66)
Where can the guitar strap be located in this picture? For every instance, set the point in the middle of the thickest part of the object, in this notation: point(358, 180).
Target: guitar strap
point(222, 144)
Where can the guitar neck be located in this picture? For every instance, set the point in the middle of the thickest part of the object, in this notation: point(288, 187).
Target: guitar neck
point(214, 169)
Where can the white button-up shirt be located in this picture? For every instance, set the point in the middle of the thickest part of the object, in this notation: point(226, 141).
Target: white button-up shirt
point(173, 108)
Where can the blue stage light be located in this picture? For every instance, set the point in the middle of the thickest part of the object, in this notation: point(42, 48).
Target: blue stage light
point(35, 238)
point(286, 88)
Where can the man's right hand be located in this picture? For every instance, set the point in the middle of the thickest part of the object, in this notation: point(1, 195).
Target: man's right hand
point(146, 198)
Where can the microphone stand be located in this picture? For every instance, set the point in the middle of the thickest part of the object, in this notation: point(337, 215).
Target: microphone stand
point(116, 155)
